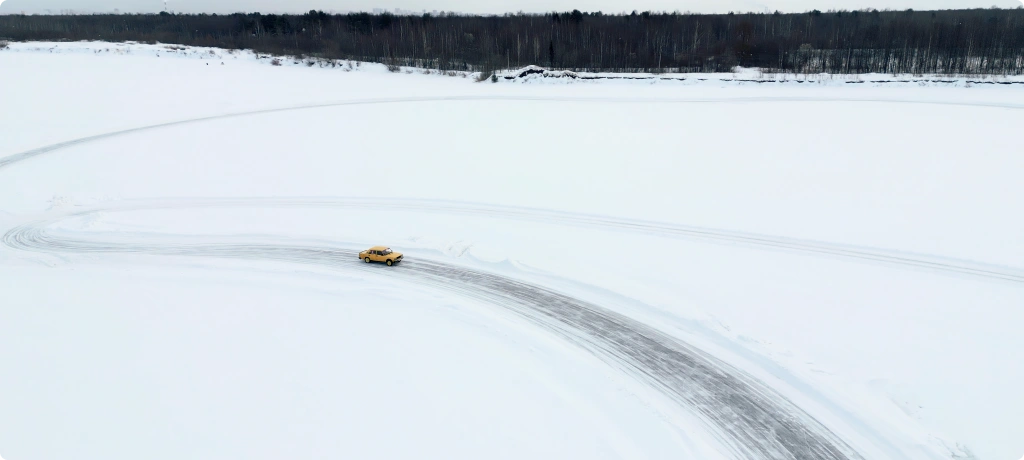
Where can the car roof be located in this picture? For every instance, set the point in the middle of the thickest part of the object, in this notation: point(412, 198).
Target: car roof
point(378, 248)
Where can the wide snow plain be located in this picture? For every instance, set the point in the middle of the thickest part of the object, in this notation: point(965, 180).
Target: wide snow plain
point(855, 248)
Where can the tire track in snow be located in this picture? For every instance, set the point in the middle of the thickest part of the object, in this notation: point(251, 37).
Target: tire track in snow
point(747, 416)
point(19, 157)
point(927, 262)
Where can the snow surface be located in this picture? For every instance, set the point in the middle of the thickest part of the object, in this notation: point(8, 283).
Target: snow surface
point(123, 355)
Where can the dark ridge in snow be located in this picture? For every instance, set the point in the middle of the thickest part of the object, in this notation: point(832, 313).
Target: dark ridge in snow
point(534, 72)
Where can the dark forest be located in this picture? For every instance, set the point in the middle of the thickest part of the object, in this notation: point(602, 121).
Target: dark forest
point(971, 42)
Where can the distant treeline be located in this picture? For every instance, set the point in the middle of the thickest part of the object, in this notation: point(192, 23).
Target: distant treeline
point(979, 41)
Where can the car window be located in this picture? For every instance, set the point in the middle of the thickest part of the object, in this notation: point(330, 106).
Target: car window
point(387, 251)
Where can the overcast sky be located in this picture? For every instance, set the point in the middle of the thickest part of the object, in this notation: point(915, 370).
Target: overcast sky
point(486, 6)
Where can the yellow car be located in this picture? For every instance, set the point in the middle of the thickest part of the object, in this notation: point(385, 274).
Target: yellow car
point(381, 254)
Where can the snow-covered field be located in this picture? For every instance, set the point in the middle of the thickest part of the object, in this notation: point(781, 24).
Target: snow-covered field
point(603, 269)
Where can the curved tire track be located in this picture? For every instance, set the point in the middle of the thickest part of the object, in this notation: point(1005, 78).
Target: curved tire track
point(19, 157)
point(749, 417)
point(768, 242)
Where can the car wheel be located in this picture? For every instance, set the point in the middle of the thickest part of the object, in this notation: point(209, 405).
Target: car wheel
point(367, 260)
point(390, 263)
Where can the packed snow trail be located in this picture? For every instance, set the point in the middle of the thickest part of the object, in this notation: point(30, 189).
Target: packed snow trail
point(749, 417)
point(927, 262)
point(22, 156)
